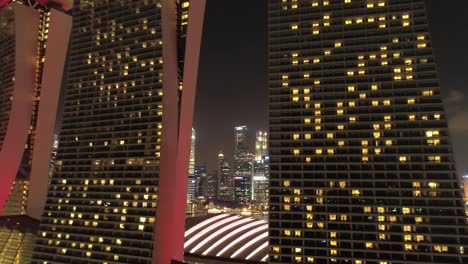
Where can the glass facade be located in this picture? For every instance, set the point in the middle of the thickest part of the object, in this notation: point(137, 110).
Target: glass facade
point(361, 165)
point(102, 196)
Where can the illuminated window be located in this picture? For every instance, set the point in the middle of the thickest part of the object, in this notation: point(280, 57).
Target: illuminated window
point(294, 27)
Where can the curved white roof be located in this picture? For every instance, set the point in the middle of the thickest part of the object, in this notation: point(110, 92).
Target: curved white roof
point(229, 236)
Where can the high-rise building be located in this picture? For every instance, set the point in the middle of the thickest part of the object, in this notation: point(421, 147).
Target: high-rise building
point(260, 169)
point(261, 145)
point(210, 189)
point(361, 168)
point(192, 180)
point(465, 188)
point(192, 153)
point(118, 193)
point(225, 180)
point(17, 236)
point(243, 166)
point(33, 49)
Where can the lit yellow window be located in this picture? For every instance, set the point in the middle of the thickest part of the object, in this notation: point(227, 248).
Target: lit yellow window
point(348, 21)
point(381, 4)
point(340, 127)
point(370, 19)
point(341, 143)
point(351, 88)
point(367, 209)
point(362, 96)
point(296, 152)
point(411, 101)
point(327, 52)
point(351, 104)
point(418, 219)
point(388, 142)
point(369, 245)
point(406, 23)
point(356, 192)
point(421, 45)
point(403, 158)
point(338, 44)
point(296, 136)
point(308, 159)
point(294, 27)
point(315, 3)
point(286, 183)
point(318, 151)
point(352, 119)
point(287, 207)
point(347, 1)
point(375, 103)
point(370, 5)
point(307, 136)
point(427, 93)
point(316, 60)
point(316, 32)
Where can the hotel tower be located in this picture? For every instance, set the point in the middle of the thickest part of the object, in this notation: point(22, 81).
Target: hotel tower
point(362, 169)
point(118, 192)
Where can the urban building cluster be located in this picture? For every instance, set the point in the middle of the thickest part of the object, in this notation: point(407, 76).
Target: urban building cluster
point(356, 167)
point(235, 183)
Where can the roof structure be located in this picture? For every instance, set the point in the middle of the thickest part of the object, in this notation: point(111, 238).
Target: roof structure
point(228, 236)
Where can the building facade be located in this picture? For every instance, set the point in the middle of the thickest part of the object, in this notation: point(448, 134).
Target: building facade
point(33, 46)
point(243, 166)
point(226, 183)
point(261, 164)
point(362, 169)
point(123, 144)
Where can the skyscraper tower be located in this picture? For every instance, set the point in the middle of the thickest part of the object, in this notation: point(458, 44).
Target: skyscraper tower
point(33, 49)
point(192, 181)
point(118, 193)
point(361, 165)
point(192, 153)
point(243, 165)
point(260, 169)
point(225, 179)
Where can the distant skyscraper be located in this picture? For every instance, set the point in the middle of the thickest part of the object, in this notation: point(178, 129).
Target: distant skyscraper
point(261, 145)
point(361, 166)
point(201, 175)
point(243, 166)
point(192, 181)
point(192, 153)
point(260, 169)
point(465, 188)
point(33, 48)
point(125, 141)
point(225, 179)
point(210, 189)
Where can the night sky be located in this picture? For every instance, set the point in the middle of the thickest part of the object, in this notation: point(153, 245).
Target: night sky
point(233, 87)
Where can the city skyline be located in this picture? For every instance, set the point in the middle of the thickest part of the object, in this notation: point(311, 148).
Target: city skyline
point(322, 131)
point(247, 58)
